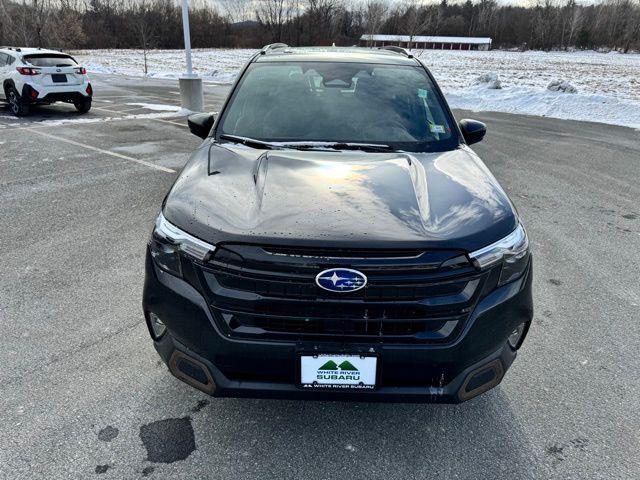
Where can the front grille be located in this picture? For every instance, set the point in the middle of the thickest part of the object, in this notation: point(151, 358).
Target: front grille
point(411, 295)
point(424, 328)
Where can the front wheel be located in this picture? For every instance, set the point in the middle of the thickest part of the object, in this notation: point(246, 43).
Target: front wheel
point(18, 107)
point(84, 106)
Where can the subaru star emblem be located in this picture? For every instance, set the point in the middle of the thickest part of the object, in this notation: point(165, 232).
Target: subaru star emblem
point(341, 280)
point(58, 70)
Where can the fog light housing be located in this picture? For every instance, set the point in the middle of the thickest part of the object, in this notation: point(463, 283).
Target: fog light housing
point(514, 338)
point(158, 328)
point(166, 257)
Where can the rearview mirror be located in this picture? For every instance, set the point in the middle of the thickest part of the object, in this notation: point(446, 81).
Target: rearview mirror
point(472, 130)
point(200, 124)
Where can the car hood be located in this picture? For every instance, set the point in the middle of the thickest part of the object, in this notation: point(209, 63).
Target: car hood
point(233, 193)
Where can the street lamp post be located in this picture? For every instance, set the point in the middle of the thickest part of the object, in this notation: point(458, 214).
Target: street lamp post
point(190, 85)
point(187, 35)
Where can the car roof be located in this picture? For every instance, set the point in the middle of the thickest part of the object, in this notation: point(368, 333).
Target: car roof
point(334, 54)
point(22, 51)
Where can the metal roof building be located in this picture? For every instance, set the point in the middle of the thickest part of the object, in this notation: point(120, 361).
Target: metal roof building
point(426, 42)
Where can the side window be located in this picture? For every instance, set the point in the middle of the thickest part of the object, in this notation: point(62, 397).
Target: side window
point(3, 59)
point(10, 60)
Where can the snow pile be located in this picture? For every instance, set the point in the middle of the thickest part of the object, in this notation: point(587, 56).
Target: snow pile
point(156, 107)
point(490, 80)
point(589, 108)
point(605, 87)
point(561, 86)
point(160, 114)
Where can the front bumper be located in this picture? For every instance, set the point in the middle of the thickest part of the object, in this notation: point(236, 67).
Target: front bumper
point(200, 354)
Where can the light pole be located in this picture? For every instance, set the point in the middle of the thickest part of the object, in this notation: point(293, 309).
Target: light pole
point(187, 35)
point(190, 85)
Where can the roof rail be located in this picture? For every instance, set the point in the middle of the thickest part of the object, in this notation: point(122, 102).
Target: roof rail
point(273, 46)
point(400, 50)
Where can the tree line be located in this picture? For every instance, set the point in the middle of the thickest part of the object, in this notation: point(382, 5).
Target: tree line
point(548, 24)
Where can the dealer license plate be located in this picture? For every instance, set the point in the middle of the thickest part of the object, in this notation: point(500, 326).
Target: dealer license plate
point(338, 371)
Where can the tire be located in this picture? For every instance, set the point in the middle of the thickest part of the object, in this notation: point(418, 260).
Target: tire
point(83, 106)
point(17, 106)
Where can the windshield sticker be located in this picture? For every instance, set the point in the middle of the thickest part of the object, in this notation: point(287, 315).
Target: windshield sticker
point(422, 93)
point(436, 128)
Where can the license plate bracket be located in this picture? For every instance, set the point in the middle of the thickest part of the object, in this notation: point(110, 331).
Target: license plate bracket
point(338, 371)
point(59, 78)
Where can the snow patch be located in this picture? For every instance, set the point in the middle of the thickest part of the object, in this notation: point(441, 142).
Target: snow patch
point(156, 107)
point(490, 80)
point(87, 120)
point(561, 86)
point(545, 103)
point(213, 65)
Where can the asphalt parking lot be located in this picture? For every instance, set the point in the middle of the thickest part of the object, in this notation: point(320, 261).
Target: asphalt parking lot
point(84, 393)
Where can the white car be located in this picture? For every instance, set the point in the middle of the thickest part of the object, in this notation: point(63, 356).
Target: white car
point(38, 76)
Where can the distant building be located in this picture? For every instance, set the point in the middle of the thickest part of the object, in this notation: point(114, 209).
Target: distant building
point(426, 42)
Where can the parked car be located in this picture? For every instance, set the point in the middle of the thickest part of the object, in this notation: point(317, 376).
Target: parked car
point(334, 237)
point(34, 76)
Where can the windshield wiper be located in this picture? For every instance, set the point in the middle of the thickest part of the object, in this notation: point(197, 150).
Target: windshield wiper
point(249, 142)
point(254, 143)
point(365, 147)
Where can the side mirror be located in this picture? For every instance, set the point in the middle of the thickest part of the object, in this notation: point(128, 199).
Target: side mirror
point(200, 124)
point(472, 130)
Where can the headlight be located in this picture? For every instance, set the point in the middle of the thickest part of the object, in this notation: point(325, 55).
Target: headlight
point(168, 241)
point(512, 251)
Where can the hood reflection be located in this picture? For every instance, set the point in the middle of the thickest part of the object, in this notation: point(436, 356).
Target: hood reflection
point(339, 196)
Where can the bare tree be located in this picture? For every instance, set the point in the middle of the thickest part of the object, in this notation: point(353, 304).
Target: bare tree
point(67, 28)
point(416, 20)
point(321, 20)
point(374, 15)
point(145, 26)
point(574, 20)
point(274, 14)
point(236, 11)
point(40, 13)
point(149, 24)
point(632, 32)
point(7, 29)
point(486, 14)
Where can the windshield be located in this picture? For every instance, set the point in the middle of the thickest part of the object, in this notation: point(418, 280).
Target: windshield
point(50, 60)
point(392, 105)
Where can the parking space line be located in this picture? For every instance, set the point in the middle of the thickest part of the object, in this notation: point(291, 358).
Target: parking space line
point(171, 122)
point(124, 110)
point(102, 109)
point(100, 150)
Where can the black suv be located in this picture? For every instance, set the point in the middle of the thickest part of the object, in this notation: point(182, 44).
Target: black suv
point(335, 237)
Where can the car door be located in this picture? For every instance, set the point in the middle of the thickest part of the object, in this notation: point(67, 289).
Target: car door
point(4, 71)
